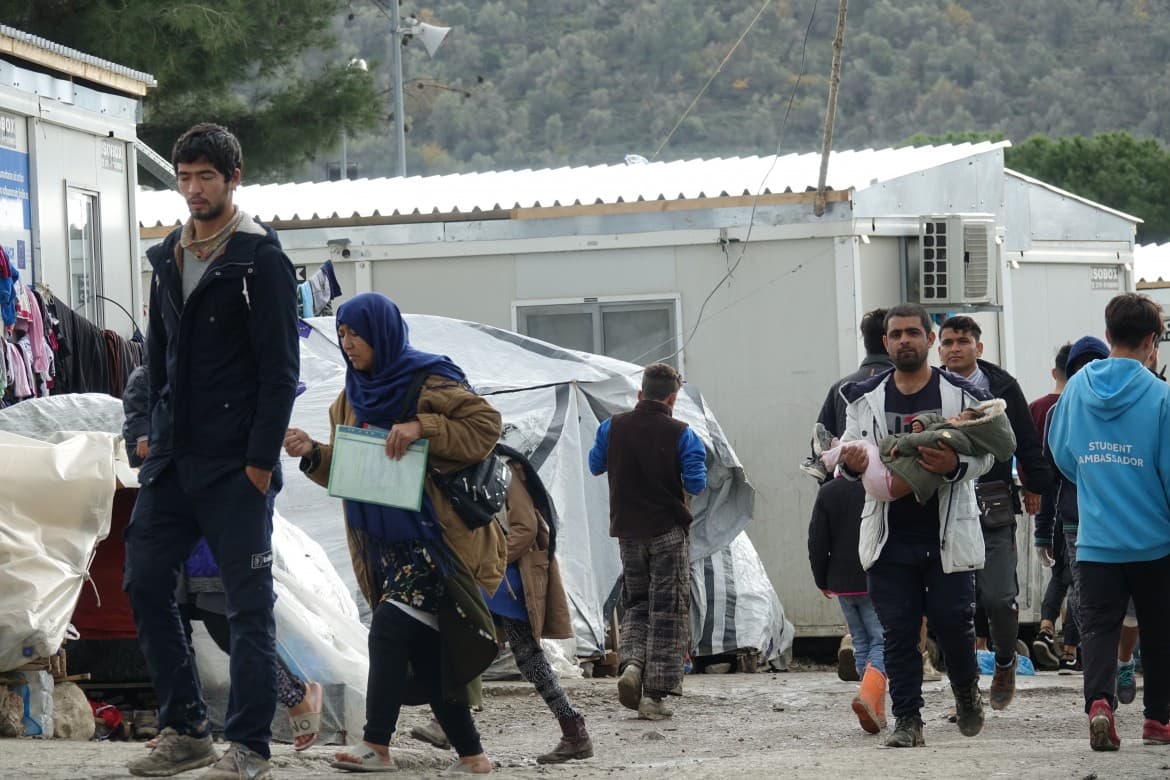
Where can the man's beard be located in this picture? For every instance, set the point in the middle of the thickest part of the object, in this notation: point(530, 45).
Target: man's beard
point(911, 360)
point(210, 213)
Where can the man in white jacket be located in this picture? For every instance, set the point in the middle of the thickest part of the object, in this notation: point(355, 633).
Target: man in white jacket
point(921, 559)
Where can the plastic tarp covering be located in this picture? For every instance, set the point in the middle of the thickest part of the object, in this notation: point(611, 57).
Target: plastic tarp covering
point(733, 605)
point(552, 401)
point(55, 504)
point(319, 635)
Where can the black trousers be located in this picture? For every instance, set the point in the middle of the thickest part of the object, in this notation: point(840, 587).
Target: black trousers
point(236, 520)
point(399, 644)
point(1105, 591)
point(905, 583)
point(996, 589)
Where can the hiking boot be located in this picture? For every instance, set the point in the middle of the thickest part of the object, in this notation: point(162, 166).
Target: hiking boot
point(653, 709)
point(1102, 730)
point(1155, 733)
point(870, 703)
point(630, 687)
point(968, 708)
point(239, 763)
point(822, 439)
point(907, 733)
point(1003, 684)
point(814, 468)
point(929, 673)
point(1126, 684)
point(846, 661)
point(575, 743)
point(175, 753)
point(1044, 652)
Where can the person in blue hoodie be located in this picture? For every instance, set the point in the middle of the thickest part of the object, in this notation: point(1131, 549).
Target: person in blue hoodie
point(1110, 434)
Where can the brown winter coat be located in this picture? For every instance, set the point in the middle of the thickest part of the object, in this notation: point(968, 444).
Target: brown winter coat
point(528, 543)
point(461, 428)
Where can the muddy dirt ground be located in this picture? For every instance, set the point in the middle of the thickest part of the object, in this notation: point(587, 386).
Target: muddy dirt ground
point(794, 724)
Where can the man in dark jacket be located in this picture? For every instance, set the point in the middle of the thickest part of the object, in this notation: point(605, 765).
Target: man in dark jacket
point(876, 361)
point(223, 358)
point(654, 461)
point(996, 586)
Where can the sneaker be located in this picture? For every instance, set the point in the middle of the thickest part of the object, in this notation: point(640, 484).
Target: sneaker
point(239, 763)
point(1044, 652)
point(630, 687)
point(1003, 685)
point(929, 673)
point(1126, 684)
point(847, 661)
point(1070, 664)
point(814, 468)
point(653, 709)
point(432, 733)
point(1102, 731)
point(968, 708)
point(175, 753)
point(822, 440)
point(907, 733)
point(1155, 733)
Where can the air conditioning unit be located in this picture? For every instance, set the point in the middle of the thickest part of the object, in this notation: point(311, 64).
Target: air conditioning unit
point(957, 259)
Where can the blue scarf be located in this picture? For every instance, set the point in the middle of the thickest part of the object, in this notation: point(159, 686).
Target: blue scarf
point(377, 398)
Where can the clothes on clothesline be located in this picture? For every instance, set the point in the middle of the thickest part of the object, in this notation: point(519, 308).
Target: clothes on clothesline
point(315, 295)
point(27, 359)
point(51, 349)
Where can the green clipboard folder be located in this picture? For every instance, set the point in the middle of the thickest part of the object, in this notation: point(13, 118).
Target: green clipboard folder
point(360, 470)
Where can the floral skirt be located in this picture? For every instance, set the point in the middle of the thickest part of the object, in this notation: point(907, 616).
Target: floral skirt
point(410, 576)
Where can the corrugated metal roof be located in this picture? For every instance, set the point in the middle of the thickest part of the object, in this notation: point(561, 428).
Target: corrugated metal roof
point(476, 193)
point(78, 56)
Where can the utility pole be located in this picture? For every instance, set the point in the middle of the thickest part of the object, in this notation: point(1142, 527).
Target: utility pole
point(396, 59)
point(834, 84)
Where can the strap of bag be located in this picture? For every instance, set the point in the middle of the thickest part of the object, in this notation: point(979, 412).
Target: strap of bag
point(410, 404)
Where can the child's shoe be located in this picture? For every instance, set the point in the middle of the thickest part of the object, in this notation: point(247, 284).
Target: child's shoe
point(822, 440)
point(814, 468)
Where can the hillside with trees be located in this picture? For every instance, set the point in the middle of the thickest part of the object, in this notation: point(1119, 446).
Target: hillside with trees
point(533, 83)
point(547, 83)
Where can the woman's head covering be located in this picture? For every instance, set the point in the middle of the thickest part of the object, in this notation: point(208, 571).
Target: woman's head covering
point(378, 396)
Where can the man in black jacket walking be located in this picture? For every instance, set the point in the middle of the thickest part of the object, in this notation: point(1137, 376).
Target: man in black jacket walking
point(996, 586)
point(876, 361)
point(223, 365)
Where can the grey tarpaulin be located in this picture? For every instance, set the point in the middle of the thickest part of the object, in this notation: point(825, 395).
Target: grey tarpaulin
point(552, 401)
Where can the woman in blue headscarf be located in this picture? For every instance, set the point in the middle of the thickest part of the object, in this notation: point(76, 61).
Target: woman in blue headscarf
point(420, 571)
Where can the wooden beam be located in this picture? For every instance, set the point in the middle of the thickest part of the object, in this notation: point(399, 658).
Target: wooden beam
point(162, 231)
point(679, 204)
point(63, 64)
point(541, 212)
